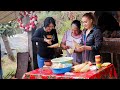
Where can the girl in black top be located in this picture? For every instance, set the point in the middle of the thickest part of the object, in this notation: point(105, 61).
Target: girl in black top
point(45, 37)
point(91, 38)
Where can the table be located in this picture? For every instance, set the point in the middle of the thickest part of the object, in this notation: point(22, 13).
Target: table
point(108, 72)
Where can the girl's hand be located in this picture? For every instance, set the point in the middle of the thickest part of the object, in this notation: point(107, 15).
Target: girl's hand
point(66, 47)
point(80, 49)
point(48, 41)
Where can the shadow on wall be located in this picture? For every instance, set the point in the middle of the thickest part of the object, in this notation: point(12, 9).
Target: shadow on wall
point(108, 24)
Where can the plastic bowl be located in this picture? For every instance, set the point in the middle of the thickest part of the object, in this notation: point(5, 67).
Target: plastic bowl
point(62, 70)
point(62, 60)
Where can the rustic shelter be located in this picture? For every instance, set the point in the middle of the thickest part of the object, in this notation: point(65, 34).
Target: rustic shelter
point(110, 50)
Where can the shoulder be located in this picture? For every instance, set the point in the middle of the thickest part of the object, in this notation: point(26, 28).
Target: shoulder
point(40, 29)
point(97, 29)
point(68, 31)
point(53, 31)
point(83, 31)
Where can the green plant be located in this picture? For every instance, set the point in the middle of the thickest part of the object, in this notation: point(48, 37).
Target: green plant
point(8, 29)
point(66, 25)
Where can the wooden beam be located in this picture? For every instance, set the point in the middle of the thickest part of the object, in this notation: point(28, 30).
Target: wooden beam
point(111, 45)
point(30, 50)
point(34, 51)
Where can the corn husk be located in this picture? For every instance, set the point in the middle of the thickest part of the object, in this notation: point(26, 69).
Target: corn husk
point(105, 64)
point(70, 51)
point(78, 67)
point(85, 68)
point(76, 45)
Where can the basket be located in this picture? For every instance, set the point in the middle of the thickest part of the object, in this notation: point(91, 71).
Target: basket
point(62, 70)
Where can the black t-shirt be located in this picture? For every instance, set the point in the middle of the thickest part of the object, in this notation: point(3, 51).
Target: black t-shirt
point(38, 36)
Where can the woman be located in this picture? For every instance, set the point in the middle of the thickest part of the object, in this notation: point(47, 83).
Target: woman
point(45, 36)
point(69, 37)
point(91, 38)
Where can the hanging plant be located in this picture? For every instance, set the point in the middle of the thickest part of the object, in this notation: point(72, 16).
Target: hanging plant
point(32, 22)
point(8, 29)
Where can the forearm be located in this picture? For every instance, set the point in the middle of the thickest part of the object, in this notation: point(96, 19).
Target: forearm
point(87, 48)
point(37, 39)
point(83, 48)
point(78, 50)
point(56, 38)
point(62, 45)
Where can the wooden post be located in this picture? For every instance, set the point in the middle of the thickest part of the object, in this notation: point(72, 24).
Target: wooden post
point(111, 45)
point(112, 58)
point(22, 64)
point(7, 47)
point(32, 50)
point(118, 64)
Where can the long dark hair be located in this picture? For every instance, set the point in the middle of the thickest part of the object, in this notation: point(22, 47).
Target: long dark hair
point(49, 20)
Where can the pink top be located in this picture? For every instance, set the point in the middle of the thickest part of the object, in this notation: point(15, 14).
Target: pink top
point(68, 39)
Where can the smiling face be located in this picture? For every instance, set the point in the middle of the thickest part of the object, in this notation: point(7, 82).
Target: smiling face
point(87, 22)
point(49, 27)
point(75, 29)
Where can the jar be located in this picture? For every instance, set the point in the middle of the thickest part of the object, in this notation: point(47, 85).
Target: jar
point(98, 61)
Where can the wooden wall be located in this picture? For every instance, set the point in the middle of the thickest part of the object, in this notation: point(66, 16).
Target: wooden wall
point(110, 52)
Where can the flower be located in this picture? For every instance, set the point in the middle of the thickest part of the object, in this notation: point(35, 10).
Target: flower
point(31, 24)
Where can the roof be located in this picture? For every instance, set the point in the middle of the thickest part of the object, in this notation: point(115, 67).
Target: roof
point(6, 16)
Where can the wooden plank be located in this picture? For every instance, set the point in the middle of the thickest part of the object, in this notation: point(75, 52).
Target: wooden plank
point(118, 65)
point(111, 45)
point(34, 52)
point(30, 50)
point(112, 58)
point(6, 16)
point(22, 64)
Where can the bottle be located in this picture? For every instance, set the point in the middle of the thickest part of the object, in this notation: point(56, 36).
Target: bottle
point(98, 61)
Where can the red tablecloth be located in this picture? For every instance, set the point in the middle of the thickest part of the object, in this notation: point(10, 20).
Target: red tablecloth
point(108, 72)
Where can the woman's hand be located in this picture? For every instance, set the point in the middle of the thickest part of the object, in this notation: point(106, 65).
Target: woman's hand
point(48, 41)
point(65, 47)
point(80, 49)
point(87, 48)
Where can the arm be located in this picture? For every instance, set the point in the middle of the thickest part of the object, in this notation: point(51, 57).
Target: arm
point(81, 48)
point(37, 36)
point(56, 37)
point(63, 42)
point(64, 47)
point(98, 40)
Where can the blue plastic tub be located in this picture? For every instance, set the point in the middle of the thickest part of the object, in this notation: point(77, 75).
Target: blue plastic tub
point(62, 70)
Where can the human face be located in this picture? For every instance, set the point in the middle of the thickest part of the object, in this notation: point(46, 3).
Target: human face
point(75, 29)
point(87, 22)
point(49, 27)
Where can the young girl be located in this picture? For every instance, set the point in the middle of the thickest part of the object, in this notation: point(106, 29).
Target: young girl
point(91, 38)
